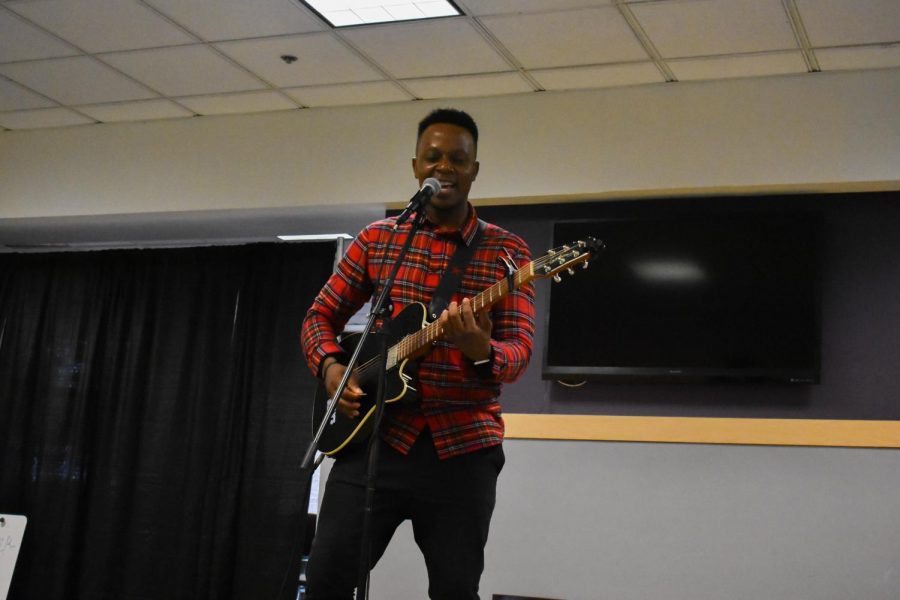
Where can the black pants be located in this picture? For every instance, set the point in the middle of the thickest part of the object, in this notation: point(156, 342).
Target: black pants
point(449, 502)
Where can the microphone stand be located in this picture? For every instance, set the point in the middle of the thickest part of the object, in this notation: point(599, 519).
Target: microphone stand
point(380, 308)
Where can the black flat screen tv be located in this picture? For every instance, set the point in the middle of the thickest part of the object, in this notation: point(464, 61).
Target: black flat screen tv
point(692, 297)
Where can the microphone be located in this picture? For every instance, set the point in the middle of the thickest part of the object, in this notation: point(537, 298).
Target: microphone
point(430, 187)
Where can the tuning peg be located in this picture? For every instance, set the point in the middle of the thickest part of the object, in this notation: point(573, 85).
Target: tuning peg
point(557, 278)
point(571, 271)
point(584, 265)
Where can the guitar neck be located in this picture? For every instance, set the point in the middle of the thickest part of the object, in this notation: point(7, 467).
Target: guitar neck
point(415, 342)
point(550, 265)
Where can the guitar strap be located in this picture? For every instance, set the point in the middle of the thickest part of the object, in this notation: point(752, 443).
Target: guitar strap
point(455, 269)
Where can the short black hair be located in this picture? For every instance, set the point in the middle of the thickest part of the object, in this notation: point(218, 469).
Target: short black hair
point(452, 116)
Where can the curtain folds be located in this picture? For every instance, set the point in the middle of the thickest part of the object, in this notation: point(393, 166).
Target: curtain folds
point(154, 409)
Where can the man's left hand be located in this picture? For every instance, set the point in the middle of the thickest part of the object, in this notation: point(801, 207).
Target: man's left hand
point(468, 331)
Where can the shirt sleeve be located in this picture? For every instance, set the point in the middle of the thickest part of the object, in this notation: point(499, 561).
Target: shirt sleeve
point(512, 339)
point(342, 296)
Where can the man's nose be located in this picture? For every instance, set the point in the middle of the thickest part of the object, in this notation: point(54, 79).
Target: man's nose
point(443, 164)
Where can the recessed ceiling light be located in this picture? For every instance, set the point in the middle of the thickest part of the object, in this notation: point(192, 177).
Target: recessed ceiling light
point(347, 13)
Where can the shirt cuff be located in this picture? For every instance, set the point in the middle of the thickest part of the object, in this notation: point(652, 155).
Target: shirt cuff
point(327, 350)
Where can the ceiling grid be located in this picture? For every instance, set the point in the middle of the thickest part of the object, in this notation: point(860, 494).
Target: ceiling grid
point(68, 63)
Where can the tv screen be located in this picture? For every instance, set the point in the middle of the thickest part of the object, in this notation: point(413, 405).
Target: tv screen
point(689, 297)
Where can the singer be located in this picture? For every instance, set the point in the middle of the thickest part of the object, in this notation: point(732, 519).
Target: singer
point(440, 455)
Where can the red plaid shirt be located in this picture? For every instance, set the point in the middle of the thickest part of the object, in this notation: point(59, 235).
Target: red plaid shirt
point(459, 408)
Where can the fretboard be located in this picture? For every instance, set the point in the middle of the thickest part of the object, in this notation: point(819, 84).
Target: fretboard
point(415, 342)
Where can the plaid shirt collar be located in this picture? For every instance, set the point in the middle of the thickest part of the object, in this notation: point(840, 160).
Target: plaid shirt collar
point(466, 232)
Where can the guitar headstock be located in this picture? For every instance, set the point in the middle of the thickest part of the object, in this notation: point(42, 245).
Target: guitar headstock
point(565, 258)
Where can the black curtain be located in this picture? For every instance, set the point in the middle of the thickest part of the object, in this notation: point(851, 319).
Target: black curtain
point(154, 410)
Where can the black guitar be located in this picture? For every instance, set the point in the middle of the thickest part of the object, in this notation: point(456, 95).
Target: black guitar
point(410, 336)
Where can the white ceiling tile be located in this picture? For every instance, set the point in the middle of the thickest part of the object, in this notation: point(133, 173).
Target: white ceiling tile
point(577, 37)
point(237, 19)
point(573, 78)
point(24, 41)
point(103, 25)
point(184, 71)
point(321, 59)
point(844, 22)
point(76, 80)
point(564, 44)
point(45, 117)
point(865, 57)
point(726, 67)
point(468, 86)
point(501, 7)
point(246, 102)
point(682, 28)
point(429, 48)
point(348, 94)
point(142, 110)
point(16, 97)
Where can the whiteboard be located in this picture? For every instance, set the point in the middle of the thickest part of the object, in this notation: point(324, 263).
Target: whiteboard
point(12, 530)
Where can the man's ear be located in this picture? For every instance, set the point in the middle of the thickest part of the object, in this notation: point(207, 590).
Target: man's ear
point(414, 166)
point(477, 167)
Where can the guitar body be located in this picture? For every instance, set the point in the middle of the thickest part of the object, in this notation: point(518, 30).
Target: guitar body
point(341, 431)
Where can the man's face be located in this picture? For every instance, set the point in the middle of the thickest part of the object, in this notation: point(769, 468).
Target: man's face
point(447, 153)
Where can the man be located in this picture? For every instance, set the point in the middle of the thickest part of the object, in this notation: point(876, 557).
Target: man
point(439, 456)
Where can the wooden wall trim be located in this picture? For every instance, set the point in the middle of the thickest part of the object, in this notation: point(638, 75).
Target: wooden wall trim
point(702, 430)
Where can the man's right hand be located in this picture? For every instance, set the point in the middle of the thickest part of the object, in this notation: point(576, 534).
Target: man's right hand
point(348, 405)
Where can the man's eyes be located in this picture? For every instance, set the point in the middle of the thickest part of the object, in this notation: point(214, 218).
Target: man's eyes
point(456, 159)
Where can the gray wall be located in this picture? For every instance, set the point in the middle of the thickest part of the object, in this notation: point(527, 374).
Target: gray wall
point(805, 132)
point(592, 520)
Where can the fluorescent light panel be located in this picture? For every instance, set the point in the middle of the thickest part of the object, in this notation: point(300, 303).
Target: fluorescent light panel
point(316, 237)
point(347, 13)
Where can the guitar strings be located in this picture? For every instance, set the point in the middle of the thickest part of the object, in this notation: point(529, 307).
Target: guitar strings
point(517, 277)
